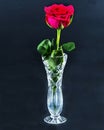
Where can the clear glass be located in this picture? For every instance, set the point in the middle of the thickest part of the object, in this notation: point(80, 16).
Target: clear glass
point(54, 95)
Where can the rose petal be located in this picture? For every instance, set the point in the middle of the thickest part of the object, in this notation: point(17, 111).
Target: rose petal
point(70, 9)
point(66, 23)
point(52, 22)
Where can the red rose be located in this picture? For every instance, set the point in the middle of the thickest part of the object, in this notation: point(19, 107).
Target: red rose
point(58, 15)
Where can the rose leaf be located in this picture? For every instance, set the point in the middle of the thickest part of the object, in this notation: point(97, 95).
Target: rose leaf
point(44, 48)
point(68, 46)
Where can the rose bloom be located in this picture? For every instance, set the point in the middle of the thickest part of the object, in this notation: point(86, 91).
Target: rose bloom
point(58, 15)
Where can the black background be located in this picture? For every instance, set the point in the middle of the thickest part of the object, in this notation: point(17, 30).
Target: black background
point(23, 83)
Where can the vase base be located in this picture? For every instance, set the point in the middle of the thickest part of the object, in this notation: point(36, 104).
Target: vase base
point(55, 120)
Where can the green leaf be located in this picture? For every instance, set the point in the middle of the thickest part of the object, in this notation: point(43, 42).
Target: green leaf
point(53, 44)
point(53, 41)
point(68, 46)
point(56, 53)
point(54, 62)
point(44, 48)
point(55, 59)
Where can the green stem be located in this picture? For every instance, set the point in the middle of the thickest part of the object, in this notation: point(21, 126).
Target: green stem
point(58, 38)
point(54, 91)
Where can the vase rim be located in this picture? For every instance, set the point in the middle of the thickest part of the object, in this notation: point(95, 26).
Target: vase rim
point(64, 54)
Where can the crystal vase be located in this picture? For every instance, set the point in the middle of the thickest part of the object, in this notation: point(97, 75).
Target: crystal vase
point(54, 70)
